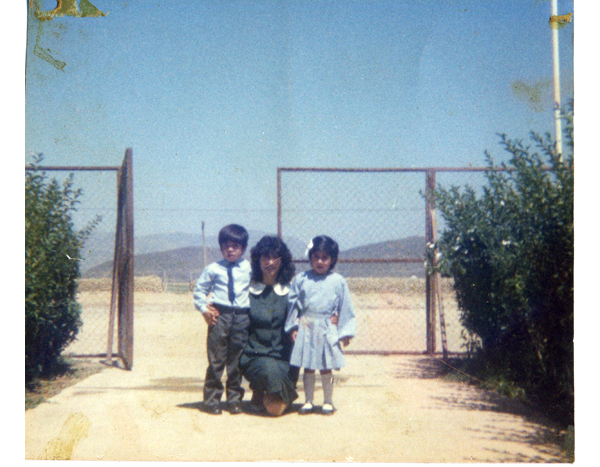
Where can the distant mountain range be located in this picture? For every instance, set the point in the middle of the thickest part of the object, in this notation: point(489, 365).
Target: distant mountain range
point(99, 248)
point(411, 247)
point(179, 257)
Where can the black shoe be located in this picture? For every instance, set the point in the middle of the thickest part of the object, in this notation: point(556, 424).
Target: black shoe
point(235, 408)
point(255, 408)
point(213, 409)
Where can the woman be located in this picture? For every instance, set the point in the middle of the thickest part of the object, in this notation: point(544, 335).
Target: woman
point(265, 361)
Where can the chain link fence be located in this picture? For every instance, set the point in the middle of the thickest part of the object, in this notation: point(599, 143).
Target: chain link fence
point(379, 217)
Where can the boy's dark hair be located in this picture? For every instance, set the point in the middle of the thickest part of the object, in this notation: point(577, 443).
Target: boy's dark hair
point(233, 233)
point(272, 246)
point(328, 245)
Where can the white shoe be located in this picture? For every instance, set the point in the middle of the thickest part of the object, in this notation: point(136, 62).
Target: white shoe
point(328, 409)
point(306, 409)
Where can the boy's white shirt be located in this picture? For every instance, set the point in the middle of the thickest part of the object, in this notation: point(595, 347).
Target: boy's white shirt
point(213, 280)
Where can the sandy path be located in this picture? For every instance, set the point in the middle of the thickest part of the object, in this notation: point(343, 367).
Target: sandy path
point(390, 409)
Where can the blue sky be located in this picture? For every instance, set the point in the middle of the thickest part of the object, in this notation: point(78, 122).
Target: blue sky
point(214, 96)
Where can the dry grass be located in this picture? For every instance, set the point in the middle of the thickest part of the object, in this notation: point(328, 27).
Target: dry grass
point(397, 285)
point(390, 311)
point(141, 284)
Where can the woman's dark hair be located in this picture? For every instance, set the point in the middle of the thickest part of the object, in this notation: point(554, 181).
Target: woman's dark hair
point(233, 233)
point(272, 246)
point(328, 245)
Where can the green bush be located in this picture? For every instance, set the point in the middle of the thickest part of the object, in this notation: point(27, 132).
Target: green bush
point(510, 251)
point(52, 316)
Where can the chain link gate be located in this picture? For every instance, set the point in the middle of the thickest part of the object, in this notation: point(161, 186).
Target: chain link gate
point(107, 303)
point(383, 222)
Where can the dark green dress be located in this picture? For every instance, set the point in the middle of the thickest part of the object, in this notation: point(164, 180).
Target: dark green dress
point(265, 361)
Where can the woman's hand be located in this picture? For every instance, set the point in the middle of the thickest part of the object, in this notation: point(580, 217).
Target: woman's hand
point(334, 320)
point(345, 341)
point(293, 335)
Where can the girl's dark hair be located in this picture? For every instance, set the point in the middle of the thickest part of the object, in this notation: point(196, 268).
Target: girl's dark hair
point(328, 245)
point(233, 233)
point(272, 246)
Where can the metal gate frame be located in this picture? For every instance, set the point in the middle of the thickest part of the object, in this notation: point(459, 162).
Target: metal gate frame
point(121, 302)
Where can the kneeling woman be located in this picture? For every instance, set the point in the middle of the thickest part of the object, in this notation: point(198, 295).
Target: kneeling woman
point(265, 361)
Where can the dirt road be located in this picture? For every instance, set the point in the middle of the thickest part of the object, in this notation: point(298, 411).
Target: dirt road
point(390, 409)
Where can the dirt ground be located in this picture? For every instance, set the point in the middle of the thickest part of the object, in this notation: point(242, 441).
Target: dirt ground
point(389, 409)
point(390, 312)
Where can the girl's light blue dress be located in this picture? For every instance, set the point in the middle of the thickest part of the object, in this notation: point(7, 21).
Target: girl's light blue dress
point(313, 300)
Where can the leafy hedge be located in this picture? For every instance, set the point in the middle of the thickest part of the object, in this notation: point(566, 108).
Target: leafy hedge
point(510, 251)
point(52, 316)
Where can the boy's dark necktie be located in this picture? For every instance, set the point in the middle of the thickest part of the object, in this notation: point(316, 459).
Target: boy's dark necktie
point(230, 283)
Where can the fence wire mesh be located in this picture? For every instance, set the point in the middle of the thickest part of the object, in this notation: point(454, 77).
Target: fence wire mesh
point(355, 208)
point(98, 200)
point(378, 217)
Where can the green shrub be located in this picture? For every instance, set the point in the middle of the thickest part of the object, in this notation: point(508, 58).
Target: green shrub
point(510, 252)
point(52, 316)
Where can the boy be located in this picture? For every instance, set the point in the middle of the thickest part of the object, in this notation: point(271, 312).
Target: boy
point(226, 314)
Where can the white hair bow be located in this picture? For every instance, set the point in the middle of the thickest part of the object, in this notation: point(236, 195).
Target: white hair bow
point(308, 248)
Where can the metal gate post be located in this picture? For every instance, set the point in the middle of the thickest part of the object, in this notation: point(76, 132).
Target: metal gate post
point(429, 279)
point(279, 233)
point(126, 273)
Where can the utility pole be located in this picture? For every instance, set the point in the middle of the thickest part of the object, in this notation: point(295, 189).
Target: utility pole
point(203, 246)
point(557, 120)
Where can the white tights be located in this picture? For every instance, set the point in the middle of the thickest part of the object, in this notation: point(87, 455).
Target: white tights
point(309, 387)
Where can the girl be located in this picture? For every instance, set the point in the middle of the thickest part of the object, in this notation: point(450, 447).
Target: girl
point(315, 297)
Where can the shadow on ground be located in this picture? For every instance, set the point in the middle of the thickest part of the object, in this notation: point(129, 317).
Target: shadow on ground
point(420, 368)
point(246, 408)
point(538, 432)
point(545, 431)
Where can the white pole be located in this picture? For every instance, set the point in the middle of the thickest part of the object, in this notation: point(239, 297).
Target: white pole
point(557, 120)
point(203, 245)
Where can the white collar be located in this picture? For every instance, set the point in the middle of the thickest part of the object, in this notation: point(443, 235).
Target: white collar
point(256, 288)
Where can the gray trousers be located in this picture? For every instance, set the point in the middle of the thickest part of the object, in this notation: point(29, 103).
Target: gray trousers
point(225, 343)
